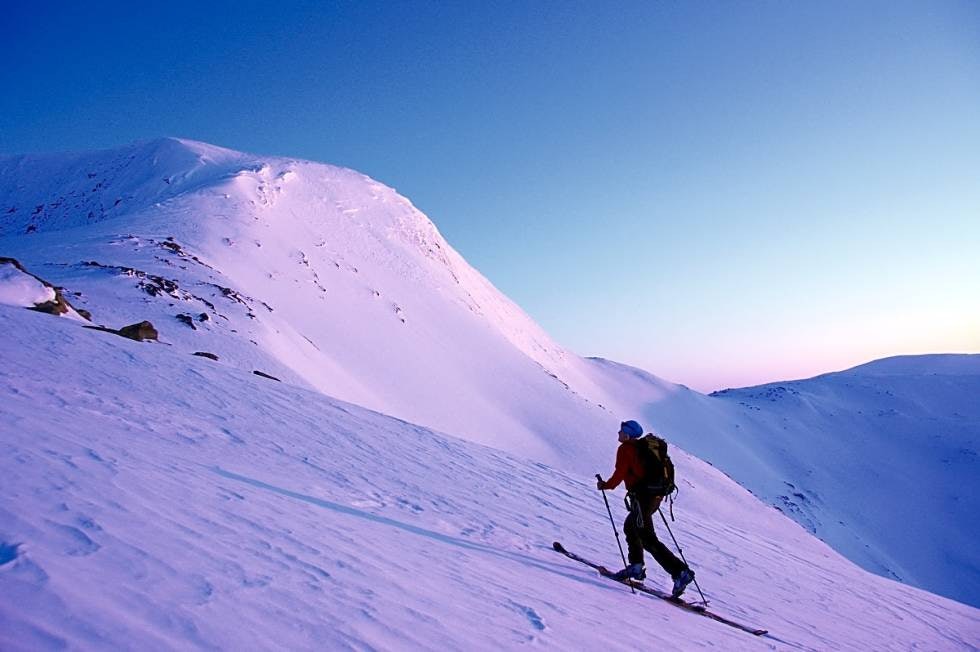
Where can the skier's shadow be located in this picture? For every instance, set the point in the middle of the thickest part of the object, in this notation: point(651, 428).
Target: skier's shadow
point(414, 529)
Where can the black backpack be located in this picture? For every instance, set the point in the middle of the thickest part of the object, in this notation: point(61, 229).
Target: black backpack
point(658, 469)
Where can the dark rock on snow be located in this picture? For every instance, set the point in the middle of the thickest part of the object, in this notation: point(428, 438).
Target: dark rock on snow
point(139, 332)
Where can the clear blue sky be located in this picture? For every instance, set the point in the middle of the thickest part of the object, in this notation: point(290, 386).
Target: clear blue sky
point(723, 193)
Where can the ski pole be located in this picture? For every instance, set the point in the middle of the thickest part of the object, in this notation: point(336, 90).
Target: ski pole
point(696, 585)
point(615, 531)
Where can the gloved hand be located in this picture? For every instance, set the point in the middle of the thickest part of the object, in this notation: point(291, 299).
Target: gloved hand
point(600, 483)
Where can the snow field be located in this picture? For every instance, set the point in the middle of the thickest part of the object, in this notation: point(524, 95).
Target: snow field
point(155, 500)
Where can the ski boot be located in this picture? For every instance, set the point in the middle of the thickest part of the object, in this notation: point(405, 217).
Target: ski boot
point(684, 578)
point(632, 572)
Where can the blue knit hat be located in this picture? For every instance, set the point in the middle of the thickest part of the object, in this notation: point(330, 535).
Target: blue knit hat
point(631, 429)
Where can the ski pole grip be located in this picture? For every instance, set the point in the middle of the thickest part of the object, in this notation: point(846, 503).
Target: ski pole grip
point(598, 477)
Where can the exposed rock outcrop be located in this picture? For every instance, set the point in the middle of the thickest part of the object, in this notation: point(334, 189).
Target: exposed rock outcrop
point(144, 330)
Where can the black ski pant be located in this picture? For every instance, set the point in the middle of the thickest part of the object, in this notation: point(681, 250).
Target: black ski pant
point(640, 536)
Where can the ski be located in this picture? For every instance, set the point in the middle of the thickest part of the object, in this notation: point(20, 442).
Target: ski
point(666, 597)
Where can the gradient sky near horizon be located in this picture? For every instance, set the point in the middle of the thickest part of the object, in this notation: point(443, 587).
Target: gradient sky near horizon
point(722, 193)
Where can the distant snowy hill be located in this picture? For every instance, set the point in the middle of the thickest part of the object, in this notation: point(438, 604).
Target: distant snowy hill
point(880, 460)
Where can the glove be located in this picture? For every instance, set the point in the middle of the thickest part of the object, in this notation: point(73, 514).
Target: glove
point(600, 484)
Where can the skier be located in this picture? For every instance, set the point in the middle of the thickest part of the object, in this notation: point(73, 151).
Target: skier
point(643, 501)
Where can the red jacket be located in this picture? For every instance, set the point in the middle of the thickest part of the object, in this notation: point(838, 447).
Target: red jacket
point(628, 467)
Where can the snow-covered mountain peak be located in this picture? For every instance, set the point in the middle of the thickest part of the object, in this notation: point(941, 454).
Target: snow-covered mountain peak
point(49, 192)
point(318, 274)
point(46, 192)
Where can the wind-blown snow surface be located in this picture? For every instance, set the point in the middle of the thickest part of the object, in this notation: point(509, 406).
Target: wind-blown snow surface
point(880, 461)
point(155, 500)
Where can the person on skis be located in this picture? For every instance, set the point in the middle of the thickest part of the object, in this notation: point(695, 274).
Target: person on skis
point(643, 501)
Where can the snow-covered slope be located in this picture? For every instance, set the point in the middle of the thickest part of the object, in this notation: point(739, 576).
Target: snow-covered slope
point(314, 274)
point(156, 500)
point(880, 461)
point(338, 286)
